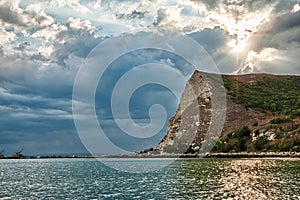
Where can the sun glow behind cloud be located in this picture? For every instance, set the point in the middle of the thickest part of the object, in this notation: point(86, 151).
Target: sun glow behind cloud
point(241, 27)
point(296, 8)
point(253, 57)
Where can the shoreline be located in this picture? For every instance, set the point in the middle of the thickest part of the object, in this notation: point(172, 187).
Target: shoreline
point(207, 155)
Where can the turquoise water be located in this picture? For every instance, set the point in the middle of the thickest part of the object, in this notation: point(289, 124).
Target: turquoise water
point(183, 179)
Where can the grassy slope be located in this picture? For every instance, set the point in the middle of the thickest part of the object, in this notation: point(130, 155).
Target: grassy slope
point(278, 94)
point(275, 97)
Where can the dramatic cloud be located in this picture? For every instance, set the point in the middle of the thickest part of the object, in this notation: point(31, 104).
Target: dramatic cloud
point(254, 58)
point(281, 36)
point(12, 16)
point(43, 44)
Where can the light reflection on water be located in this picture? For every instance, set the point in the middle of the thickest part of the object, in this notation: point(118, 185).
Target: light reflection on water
point(239, 179)
point(247, 180)
point(184, 179)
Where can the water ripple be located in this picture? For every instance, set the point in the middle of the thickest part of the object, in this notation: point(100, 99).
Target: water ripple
point(184, 179)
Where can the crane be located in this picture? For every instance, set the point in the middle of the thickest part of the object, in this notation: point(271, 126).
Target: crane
point(1, 154)
point(18, 154)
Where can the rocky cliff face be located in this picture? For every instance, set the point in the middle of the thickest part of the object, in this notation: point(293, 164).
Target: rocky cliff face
point(240, 114)
point(200, 115)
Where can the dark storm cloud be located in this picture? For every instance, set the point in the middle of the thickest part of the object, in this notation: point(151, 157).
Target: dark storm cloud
point(36, 100)
point(76, 42)
point(37, 124)
point(284, 23)
point(211, 39)
point(281, 33)
point(10, 16)
point(275, 46)
point(161, 15)
point(21, 77)
point(26, 18)
point(283, 6)
point(132, 15)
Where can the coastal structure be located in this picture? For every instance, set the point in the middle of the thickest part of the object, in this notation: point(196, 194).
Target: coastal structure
point(1, 154)
point(18, 154)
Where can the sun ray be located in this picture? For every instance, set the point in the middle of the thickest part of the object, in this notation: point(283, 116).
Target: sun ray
point(240, 27)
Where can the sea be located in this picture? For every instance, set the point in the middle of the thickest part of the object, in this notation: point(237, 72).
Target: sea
point(181, 179)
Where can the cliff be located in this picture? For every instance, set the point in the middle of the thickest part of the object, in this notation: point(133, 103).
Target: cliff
point(234, 113)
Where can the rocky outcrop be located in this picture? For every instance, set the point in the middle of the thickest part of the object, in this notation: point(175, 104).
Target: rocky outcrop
point(199, 117)
point(208, 110)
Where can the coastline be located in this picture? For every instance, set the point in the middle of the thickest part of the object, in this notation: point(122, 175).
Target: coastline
point(165, 155)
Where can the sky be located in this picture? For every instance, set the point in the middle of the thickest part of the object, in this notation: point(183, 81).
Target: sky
point(43, 45)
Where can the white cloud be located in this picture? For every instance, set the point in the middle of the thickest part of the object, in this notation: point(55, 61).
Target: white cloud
point(254, 60)
point(74, 4)
point(49, 33)
point(13, 16)
point(17, 25)
point(169, 16)
point(38, 17)
point(54, 29)
point(6, 36)
point(241, 22)
point(76, 23)
point(12, 4)
point(270, 60)
point(108, 18)
point(46, 51)
point(25, 112)
point(282, 35)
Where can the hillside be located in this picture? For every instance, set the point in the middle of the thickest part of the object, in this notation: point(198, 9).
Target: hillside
point(262, 114)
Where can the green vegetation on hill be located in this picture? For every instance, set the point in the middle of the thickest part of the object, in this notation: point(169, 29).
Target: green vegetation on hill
point(275, 97)
point(269, 93)
point(235, 141)
point(241, 140)
point(279, 120)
